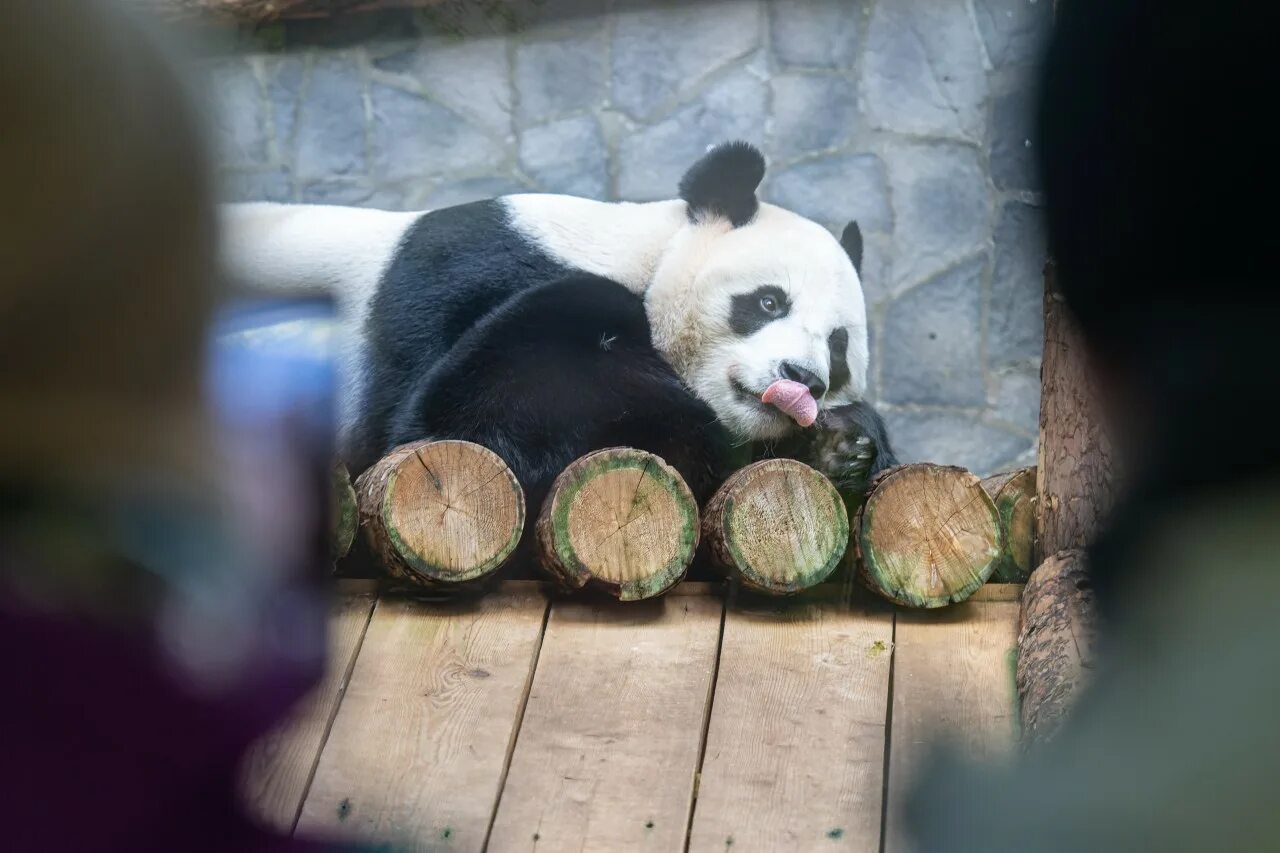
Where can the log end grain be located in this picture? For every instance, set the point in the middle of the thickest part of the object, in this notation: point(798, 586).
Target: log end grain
point(620, 520)
point(778, 525)
point(1014, 494)
point(344, 515)
point(927, 536)
point(441, 512)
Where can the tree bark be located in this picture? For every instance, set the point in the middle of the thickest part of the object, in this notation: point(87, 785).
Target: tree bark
point(441, 512)
point(778, 525)
point(1074, 493)
point(619, 520)
point(1055, 643)
point(1014, 494)
point(1073, 483)
point(927, 535)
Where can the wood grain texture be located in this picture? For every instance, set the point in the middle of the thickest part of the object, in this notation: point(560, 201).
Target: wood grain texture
point(1074, 480)
point(612, 732)
point(619, 520)
point(277, 771)
point(795, 749)
point(1014, 494)
point(344, 513)
point(998, 592)
point(441, 512)
point(952, 679)
point(1055, 643)
point(927, 535)
point(418, 749)
point(778, 525)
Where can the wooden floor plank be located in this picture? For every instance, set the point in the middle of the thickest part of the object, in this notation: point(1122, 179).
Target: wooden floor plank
point(953, 679)
point(418, 749)
point(277, 770)
point(612, 732)
point(795, 750)
point(998, 592)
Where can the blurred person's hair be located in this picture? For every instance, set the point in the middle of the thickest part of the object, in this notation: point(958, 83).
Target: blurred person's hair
point(107, 266)
point(1158, 175)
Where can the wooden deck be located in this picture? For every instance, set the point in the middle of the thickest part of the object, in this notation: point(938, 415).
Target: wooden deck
point(515, 723)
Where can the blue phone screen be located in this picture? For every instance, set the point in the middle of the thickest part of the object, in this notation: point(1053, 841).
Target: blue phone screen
point(274, 361)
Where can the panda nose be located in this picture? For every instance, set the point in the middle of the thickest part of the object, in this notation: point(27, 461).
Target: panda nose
point(803, 375)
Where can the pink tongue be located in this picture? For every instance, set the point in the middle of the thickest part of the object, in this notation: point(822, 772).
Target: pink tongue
point(794, 399)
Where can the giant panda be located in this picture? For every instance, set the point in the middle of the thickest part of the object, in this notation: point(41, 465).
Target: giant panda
point(546, 326)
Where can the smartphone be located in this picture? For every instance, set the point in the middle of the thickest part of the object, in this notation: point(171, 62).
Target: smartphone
point(273, 385)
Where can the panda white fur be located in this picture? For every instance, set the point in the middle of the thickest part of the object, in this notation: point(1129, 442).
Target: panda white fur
point(546, 326)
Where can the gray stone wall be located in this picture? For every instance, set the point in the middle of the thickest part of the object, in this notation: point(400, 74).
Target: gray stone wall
point(911, 116)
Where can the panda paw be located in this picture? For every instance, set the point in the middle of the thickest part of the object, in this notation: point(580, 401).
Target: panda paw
point(847, 461)
point(848, 445)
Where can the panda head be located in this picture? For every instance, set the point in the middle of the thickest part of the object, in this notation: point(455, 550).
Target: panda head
point(748, 293)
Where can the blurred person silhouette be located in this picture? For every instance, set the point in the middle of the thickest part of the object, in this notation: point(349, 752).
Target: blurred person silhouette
point(158, 613)
point(1158, 182)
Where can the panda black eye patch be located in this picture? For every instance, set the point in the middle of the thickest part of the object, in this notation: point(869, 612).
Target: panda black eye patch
point(751, 312)
point(838, 346)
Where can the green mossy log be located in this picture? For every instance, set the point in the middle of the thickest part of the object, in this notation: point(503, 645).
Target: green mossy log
point(344, 515)
point(927, 536)
point(618, 520)
point(778, 525)
point(441, 512)
point(1014, 494)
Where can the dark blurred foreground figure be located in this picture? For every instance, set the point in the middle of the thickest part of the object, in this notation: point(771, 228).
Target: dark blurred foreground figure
point(151, 630)
point(1159, 183)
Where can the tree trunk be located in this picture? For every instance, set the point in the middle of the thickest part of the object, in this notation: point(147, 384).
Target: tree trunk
point(927, 535)
point(619, 520)
point(1014, 494)
point(1055, 643)
point(345, 517)
point(442, 512)
point(1073, 484)
point(1074, 492)
point(779, 525)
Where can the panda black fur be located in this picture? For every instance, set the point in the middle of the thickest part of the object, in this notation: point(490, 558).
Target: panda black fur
point(530, 333)
point(555, 371)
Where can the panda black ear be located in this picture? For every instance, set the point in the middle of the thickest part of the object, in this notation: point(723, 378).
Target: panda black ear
point(851, 239)
point(724, 182)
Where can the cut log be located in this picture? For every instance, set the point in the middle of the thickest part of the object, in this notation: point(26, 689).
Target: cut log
point(1055, 643)
point(1075, 478)
point(344, 513)
point(927, 536)
point(619, 520)
point(778, 525)
point(441, 512)
point(1014, 494)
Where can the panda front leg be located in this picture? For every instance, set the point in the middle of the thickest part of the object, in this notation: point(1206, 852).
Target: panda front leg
point(849, 444)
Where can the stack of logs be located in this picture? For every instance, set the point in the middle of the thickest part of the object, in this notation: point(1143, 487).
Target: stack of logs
point(450, 513)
